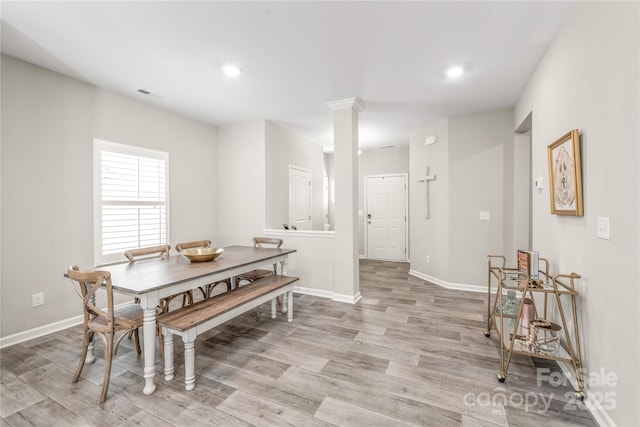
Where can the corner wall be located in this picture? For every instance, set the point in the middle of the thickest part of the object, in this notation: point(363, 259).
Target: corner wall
point(242, 188)
point(468, 161)
point(476, 151)
point(589, 80)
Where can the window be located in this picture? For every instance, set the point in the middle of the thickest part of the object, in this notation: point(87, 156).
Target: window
point(131, 208)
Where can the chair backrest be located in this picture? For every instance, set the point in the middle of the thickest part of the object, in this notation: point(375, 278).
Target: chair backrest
point(160, 251)
point(196, 244)
point(89, 282)
point(261, 242)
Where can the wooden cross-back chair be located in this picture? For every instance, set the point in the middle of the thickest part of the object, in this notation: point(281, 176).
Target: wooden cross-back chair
point(164, 304)
point(206, 290)
point(110, 325)
point(253, 275)
point(161, 251)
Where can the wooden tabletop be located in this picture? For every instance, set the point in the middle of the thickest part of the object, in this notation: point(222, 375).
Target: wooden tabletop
point(157, 273)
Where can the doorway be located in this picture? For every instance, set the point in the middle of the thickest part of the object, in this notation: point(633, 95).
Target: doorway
point(299, 197)
point(386, 217)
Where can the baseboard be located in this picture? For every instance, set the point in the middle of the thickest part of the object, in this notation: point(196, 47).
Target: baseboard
point(40, 331)
point(351, 299)
point(447, 285)
point(593, 404)
point(44, 330)
point(328, 294)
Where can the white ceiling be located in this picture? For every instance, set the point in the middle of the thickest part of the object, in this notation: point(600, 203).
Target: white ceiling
point(296, 56)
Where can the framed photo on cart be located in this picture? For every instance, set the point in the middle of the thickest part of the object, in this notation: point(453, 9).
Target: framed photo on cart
point(565, 175)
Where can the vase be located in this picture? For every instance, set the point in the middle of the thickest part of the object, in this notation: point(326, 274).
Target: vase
point(528, 314)
point(509, 308)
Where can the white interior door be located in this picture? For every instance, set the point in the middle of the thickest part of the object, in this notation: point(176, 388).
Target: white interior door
point(299, 198)
point(386, 217)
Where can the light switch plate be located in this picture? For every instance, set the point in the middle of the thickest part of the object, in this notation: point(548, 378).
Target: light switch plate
point(485, 216)
point(603, 228)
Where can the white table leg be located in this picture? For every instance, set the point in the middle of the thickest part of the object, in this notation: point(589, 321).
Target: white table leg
point(149, 303)
point(189, 360)
point(290, 313)
point(273, 308)
point(168, 355)
point(283, 271)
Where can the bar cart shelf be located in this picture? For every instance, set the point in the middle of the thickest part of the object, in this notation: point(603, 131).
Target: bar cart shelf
point(540, 337)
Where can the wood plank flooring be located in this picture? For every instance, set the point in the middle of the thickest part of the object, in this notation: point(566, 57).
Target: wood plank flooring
point(409, 353)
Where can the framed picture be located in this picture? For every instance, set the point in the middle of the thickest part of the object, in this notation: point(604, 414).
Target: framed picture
point(565, 175)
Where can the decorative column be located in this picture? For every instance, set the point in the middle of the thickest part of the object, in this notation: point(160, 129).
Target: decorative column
point(345, 161)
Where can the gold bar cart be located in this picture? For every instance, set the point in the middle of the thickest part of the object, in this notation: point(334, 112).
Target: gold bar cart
point(545, 339)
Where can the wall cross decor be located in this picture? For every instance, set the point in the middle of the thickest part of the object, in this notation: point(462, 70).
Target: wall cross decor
point(426, 180)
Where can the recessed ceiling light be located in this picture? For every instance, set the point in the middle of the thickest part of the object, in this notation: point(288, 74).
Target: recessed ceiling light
point(231, 70)
point(456, 71)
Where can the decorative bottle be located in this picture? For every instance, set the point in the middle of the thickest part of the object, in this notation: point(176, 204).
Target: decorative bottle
point(510, 308)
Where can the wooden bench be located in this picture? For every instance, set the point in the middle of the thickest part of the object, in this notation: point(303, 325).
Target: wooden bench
point(192, 320)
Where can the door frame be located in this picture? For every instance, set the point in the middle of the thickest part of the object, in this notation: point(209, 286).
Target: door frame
point(405, 176)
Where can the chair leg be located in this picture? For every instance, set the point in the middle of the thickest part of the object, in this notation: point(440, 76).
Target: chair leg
point(85, 345)
point(137, 337)
point(160, 341)
point(205, 291)
point(108, 357)
point(187, 298)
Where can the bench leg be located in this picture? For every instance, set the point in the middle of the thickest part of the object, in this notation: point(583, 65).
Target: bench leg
point(273, 308)
point(283, 271)
point(189, 360)
point(168, 355)
point(290, 308)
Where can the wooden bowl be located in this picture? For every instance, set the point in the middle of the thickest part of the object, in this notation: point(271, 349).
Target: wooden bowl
point(202, 254)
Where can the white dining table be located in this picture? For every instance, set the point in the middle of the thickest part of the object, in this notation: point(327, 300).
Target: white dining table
point(152, 279)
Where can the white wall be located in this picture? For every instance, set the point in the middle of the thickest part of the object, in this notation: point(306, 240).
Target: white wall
point(476, 145)
point(284, 148)
point(588, 80)
point(378, 162)
point(48, 125)
point(468, 161)
point(313, 262)
point(429, 236)
point(242, 190)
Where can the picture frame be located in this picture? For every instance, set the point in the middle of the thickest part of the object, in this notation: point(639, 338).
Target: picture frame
point(565, 175)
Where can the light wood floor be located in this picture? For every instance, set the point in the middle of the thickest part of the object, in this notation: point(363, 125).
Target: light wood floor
point(409, 353)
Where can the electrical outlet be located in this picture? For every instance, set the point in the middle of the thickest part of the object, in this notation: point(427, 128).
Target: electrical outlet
point(485, 216)
point(427, 258)
point(37, 299)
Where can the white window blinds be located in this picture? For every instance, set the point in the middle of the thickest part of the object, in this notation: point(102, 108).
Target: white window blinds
point(131, 208)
